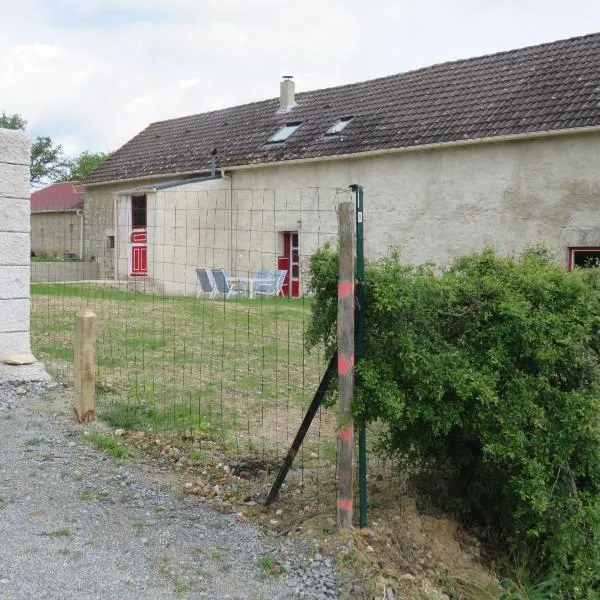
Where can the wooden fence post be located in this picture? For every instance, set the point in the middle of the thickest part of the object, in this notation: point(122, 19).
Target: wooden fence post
point(345, 331)
point(84, 366)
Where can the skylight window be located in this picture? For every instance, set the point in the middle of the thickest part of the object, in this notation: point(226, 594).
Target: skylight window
point(338, 126)
point(284, 132)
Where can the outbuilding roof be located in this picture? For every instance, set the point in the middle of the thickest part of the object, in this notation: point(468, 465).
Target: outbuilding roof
point(542, 88)
point(58, 197)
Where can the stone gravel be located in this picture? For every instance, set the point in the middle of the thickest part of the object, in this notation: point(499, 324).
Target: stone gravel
point(75, 523)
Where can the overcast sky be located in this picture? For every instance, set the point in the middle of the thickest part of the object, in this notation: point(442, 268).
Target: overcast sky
point(93, 73)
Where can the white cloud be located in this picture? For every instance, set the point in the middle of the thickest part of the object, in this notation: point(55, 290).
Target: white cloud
point(96, 86)
point(189, 83)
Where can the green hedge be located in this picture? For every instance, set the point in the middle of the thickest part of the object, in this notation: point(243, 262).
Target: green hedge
point(487, 376)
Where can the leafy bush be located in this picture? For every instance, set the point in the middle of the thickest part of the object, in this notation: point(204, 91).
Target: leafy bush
point(487, 377)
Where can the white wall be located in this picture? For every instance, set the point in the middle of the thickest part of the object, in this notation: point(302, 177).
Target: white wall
point(443, 203)
point(187, 227)
point(14, 242)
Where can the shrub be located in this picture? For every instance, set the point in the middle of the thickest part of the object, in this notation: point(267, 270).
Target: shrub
point(486, 375)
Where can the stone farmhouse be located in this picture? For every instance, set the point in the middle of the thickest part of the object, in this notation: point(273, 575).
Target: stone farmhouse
point(500, 150)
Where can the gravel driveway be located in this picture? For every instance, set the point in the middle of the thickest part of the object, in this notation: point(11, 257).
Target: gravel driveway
point(76, 524)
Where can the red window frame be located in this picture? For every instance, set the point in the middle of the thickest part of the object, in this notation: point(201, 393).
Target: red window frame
point(573, 249)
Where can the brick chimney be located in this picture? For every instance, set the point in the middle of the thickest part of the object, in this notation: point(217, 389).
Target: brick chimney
point(287, 89)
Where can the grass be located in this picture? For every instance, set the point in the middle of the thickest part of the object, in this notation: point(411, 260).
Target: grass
point(265, 563)
point(88, 495)
point(236, 371)
point(108, 443)
point(62, 532)
point(30, 443)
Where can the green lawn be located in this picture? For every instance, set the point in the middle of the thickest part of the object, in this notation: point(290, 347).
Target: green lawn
point(236, 369)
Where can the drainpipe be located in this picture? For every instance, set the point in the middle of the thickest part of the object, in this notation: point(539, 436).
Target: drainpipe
point(80, 215)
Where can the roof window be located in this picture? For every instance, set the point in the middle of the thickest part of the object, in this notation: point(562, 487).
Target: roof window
point(338, 126)
point(284, 132)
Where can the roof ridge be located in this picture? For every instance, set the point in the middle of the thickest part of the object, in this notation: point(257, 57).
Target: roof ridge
point(381, 78)
point(543, 87)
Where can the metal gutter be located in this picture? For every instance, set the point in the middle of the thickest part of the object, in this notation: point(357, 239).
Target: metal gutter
point(161, 176)
point(56, 210)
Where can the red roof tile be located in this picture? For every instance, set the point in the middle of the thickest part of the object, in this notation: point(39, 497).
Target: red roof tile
point(58, 197)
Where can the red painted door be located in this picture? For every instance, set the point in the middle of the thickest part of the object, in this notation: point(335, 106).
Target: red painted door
point(139, 260)
point(291, 262)
point(138, 238)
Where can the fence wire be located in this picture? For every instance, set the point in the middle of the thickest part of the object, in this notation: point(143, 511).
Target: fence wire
point(200, 293)
point(229, 369)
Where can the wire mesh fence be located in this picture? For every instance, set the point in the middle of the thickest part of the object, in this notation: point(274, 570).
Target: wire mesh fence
point(200, 293)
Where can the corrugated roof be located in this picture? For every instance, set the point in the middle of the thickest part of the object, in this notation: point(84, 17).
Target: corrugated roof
point(548, 87)
point(58, 197)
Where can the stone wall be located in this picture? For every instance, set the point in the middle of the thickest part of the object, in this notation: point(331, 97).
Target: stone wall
point(64, 271)
point(56, 233)
point(14, 242)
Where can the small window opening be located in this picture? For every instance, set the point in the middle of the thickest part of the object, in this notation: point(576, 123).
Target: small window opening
point(584, 258)
point(338, 126)
point(283, 133)
point(110, 242)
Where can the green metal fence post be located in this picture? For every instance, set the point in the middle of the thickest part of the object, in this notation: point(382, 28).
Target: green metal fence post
point(359, 343)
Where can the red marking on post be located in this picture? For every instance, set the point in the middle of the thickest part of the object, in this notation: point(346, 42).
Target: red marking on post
point(345, 364)
point(345, 504)
point(346, 433)
point(345, 289)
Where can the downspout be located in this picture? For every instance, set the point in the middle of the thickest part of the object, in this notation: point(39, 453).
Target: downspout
point(80, 215)
point(230, 236)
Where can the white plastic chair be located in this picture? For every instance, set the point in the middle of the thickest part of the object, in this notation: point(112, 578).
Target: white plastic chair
point(272, 285)
point(262, 277)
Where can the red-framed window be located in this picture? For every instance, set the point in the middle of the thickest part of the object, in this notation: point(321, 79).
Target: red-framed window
point(583, 256)
point(138, 212)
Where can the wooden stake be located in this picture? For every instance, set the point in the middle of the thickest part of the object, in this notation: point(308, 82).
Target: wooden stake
point(85, 366)
point(345, 330)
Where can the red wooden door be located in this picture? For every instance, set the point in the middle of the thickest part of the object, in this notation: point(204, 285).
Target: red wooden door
point(290, 261)
point(139, 260)
point(138, 238)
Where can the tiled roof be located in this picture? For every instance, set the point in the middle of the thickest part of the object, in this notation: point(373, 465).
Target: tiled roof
point(541, 88)
point(57, 197)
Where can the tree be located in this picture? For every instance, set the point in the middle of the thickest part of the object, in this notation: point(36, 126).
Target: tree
point(47, 158)
point(77, 168)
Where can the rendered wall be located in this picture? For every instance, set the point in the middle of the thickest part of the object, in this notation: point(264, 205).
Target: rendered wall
point(434, 204)
point(14, 242)
point(56, 233)
point(443, 203)
point(188, 226)
point(64, 271)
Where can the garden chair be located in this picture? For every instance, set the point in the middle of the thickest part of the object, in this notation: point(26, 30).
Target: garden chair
point(280, 274)
point(262, 276)
point(272, 285)
point(205, 283)
point(224, 287)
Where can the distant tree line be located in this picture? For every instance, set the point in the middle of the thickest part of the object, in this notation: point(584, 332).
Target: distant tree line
point(48, 161)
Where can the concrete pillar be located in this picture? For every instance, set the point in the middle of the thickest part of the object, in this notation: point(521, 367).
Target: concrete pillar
point(14, 243)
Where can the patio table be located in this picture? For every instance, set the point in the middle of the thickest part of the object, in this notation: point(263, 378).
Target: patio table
point(247, 283)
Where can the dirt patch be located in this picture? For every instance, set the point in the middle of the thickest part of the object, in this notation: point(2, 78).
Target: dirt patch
point(418, 556)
